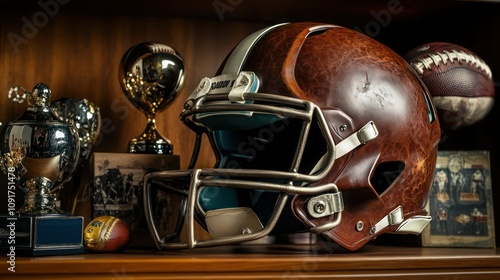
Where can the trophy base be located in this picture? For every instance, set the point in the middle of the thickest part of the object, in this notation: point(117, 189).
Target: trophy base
point(44, 235)
point(148, 147)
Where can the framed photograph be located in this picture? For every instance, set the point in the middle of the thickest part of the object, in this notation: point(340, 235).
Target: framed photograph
point(460, 202)
point(117, 189)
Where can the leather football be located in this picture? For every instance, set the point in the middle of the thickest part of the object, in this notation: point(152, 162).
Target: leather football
point(459, 81)
point(106, 234)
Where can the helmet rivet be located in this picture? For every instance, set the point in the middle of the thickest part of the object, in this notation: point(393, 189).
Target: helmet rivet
point(201, 86)
point(359, 226)
point(343, 127)
point(319, 207)
point(373, 230)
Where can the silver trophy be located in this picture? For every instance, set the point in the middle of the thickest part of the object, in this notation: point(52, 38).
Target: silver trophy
point(85, 117)
point(150, 75)
point(39, 152)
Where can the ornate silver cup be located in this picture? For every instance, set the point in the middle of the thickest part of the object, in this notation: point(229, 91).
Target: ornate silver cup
point(85, 117)
point(150, 75)
point(38, 152)
point(42, 152)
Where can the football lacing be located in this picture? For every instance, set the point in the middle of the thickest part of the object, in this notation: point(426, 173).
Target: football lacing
point(435, 59)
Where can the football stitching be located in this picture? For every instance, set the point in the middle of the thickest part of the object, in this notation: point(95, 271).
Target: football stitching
point(111, 223)
point(437, 58)
point(160, 48)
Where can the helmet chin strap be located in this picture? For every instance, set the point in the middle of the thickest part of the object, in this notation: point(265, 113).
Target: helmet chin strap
point(413, 225)
point(362, 136)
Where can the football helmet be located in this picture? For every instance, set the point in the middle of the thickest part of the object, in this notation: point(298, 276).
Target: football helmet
point(315, 127)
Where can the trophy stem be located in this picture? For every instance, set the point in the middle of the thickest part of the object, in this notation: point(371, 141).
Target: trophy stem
point(150, 141)
point(39, 200)
point(151, 133)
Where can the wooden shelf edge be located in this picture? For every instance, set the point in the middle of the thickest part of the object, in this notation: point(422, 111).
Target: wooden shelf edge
point(265, 260)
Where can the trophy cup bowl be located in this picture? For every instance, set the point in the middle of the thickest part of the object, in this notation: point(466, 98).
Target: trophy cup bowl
point(150, 75)
point(38, 152)
point(85, 117)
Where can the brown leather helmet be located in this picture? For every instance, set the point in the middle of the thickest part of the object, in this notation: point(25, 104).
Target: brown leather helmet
point(316, 127)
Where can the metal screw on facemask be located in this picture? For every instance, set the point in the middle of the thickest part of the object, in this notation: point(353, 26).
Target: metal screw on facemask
point(343, 127)
point(319, 207)
point(189, 104)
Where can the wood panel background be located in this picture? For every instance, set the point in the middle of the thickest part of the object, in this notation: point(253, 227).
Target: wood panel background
point(78, 56)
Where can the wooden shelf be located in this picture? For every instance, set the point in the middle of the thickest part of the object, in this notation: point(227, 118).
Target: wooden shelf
point(266, 262)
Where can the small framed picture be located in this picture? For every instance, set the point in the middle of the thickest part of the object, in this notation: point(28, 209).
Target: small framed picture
point(460, 202)
point(117, 189)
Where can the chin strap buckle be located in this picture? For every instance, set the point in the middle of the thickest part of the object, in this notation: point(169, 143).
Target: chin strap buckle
point(393, 218)
point(362, 136)
point(247, 82)
point(413, 225)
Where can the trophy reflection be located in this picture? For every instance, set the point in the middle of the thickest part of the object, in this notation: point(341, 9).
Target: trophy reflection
point(150, 75)
point(38, 153)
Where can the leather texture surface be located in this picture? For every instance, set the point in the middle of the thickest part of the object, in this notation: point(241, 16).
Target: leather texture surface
point(344, 71)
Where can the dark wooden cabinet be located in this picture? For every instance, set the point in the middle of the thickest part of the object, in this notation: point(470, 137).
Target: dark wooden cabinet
point(75, 47)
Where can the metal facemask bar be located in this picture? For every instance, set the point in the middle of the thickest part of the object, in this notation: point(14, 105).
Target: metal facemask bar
point(208, 102)
point(198, 178)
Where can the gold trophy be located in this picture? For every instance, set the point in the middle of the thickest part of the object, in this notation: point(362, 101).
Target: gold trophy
point(150, 75)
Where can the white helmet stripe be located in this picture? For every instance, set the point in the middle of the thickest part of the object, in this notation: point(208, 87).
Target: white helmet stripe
point(240, 52)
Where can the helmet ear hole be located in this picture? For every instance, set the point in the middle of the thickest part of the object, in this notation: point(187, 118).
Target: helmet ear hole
point(385, 174)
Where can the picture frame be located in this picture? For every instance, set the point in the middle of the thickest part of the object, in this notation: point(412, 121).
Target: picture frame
point(460, 201)
point(117, 189)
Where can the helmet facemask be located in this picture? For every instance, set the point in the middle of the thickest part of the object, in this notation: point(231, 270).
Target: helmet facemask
point(247, 180)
